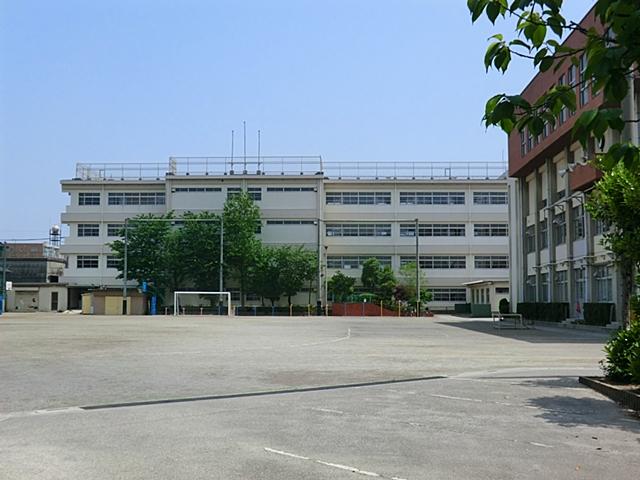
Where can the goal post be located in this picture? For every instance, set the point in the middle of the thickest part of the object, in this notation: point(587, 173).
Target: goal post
point(223, 299)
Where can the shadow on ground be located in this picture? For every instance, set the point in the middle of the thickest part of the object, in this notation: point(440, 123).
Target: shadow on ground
point(531, 335)
point(570, 411)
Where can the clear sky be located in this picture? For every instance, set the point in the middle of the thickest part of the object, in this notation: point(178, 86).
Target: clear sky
point(140, 80)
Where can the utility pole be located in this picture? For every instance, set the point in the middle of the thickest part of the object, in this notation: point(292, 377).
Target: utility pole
point(319, 294)
point(417, 269)
point(124, 286)
point(221, 272)
point(4, 277)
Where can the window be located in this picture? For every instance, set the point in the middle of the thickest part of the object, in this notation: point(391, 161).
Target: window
point(502, 289)
point(431, 198)
point(529, 141)
point(601, 227)
point(87, 261)
point(584, 84)
point(433, 230)
point(559, 229)
point(571, 81)
point(523, 144)
point(602, 275)
point(578, 222)
point(530, 238)
point(491, 261)
point(233, 191)
point(449, 294)
point(113, 261)
point(358, 229)
point(291, 189)
point(358, 198)
point(89, 198)
point(544, 286)
point(196, 189)
point(543, 239)
point(447, 262)
point(490, 198)
point(490, 230)
point(291, 222)
point(355, 261)
point(88, 229)
point(562, 116)
point(560, 286)
point(136, 198)
point(579, 281)
point(530, 289)
point(114, 229)
point(255, 193)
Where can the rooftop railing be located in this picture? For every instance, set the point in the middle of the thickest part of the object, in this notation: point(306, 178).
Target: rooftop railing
point(289, 166)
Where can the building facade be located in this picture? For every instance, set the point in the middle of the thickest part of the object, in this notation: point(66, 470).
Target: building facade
point(556, 250)
point(346, 212)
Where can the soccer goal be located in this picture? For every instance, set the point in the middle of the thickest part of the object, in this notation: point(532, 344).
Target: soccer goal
point(202, 303)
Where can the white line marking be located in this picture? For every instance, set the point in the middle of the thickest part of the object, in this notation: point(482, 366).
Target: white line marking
point(286, 454)
point(45, 411)
point(457, 398)
point(350, 469)
point(541, 445)
point(335, 340)
point(327, 410)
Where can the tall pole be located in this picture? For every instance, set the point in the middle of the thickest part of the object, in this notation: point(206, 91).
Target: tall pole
point(231, 152)
point(319, 297)
point(221, 272)
point(417, 269)
point(244, 141)
point(326, 280)
point(258, 151)
point(126, 247)
point(4, 277)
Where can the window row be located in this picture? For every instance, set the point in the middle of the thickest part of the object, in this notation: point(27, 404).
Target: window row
point(433, 229)
point(136, 198)
point(457, 261)
point(358, 198)
point(196, 189)
point(93, 229)
point(355, 261)
point(291, 222)
point(602, 285)
point(490, 198)
point(431, 198)
point(92, 261)
point(358, 229)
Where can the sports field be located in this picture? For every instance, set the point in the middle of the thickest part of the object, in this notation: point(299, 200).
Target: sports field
point(303, 398)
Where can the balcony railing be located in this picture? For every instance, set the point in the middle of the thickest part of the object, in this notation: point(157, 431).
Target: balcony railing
point(290, 166)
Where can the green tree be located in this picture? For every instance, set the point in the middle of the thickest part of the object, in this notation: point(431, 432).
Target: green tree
point(406, 290)
point(297, 266)
point(241, 218)
point(341, 286)
point(612, 55)
point(197, 248)
point(267, 274)
point(148, 256)
point(616, 200)
point(377, 279)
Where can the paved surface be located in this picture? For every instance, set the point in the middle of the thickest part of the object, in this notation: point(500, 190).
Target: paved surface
point(274, 398)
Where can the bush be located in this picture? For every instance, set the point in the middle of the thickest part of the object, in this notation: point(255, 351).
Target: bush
point(548, 312)
point(598, 313)
point(503, 306)
point(622, 362)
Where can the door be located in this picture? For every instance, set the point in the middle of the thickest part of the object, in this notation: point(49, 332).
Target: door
point(54, 301)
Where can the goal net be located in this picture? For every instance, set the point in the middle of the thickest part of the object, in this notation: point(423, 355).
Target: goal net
point(202, 303)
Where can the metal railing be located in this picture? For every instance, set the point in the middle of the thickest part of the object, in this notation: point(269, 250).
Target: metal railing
point(292, 165)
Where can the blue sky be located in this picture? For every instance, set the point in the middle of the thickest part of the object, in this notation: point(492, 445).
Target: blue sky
point(140, 80)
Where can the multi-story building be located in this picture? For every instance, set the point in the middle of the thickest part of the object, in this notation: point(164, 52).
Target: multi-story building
point(346, 212)
point(556, 250)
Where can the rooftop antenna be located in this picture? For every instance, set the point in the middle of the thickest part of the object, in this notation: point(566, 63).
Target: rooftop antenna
point(231, 171)
point(244, 140)
point(258, 152)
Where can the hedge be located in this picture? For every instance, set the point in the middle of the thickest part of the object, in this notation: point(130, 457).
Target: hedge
point(599, 313)
point(548, 312)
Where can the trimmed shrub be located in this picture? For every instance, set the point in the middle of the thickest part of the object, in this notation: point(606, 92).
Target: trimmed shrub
point(622, 362)
point(548, 312)
point(462, 308)
point(503, 306)
point(598, 313)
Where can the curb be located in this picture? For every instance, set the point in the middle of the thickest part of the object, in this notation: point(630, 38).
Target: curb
point(624, 397)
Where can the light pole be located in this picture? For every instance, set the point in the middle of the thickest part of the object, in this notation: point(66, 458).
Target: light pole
point(417, 269)
point(124, 286)
point(326, 280)
point(4, 277)
point(319, 294)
